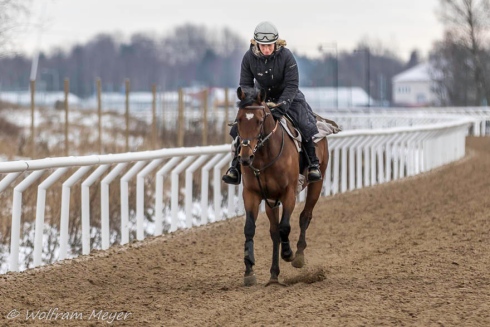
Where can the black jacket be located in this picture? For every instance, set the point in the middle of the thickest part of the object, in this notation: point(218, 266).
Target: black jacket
point(278, 75)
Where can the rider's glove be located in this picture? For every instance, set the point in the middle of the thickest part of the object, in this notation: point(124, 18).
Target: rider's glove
point(277, 113)
point(276, 110)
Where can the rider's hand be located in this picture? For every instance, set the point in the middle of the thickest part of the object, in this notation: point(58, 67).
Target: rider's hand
point(277, 114)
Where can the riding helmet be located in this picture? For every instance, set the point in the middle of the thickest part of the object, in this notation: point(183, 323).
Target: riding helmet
point(266, 33)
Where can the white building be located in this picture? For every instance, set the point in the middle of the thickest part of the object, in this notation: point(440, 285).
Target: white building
point(414, 87)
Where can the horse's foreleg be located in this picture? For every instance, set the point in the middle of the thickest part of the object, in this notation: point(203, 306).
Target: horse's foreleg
point(249, 258)
point(285, 227)
point(273, 214)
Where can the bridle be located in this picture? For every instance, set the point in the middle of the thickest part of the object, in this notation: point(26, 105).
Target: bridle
point(262, 139)
point(261, 142)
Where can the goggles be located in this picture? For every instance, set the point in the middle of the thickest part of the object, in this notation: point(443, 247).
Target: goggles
point(265, 37)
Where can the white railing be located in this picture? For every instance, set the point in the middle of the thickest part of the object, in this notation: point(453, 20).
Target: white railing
point(359, 158)
point(479, 115)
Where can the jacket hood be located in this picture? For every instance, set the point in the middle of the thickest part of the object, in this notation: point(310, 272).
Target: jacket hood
point(254, 46)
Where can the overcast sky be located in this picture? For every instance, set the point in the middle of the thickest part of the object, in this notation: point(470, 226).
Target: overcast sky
point(399, 25)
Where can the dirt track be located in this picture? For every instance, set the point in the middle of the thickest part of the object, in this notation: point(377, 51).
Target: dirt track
point(410, 253)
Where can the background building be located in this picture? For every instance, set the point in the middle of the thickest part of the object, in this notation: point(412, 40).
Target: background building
point(414, 87)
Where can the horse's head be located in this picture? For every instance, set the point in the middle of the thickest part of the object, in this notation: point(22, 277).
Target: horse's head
point(252, 112)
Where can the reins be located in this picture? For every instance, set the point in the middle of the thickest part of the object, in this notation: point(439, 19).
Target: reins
point(260, 144)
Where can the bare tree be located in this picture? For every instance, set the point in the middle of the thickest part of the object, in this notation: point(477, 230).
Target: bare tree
point(12, 13)
point(467, 21)
point(451, 73)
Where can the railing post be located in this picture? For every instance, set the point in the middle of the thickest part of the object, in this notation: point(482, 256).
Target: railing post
point(16, 215)
point(40, 207)
point(86, 206)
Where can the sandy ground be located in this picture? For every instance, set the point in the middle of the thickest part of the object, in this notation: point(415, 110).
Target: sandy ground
point(409, 253)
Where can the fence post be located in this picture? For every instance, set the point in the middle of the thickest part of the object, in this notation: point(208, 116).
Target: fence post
point(225, 122)
point(99, 111)
point(67, 91)
point(180, 126)
point(154, 117)
point(163, 120)
point(33, 127)
point(127, 113)
point(205, 117)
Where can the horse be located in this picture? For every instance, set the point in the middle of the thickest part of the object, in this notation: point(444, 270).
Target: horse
point(269, 162)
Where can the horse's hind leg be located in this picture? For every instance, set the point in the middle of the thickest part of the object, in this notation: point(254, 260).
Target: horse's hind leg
point(305, 217)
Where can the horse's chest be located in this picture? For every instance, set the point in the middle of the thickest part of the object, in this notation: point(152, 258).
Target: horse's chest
point(274, 188)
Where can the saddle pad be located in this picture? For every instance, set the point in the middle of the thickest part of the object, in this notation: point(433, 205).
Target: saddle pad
point(325, 127)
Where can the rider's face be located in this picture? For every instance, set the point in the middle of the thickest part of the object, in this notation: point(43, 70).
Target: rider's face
point(266, 49)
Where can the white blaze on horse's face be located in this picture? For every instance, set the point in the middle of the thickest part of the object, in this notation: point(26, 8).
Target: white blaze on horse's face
point(249, 115)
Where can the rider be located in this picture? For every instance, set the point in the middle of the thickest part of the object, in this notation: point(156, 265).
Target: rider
point(268, 64)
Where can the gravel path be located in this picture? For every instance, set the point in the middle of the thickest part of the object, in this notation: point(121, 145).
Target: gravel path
point(409, 253)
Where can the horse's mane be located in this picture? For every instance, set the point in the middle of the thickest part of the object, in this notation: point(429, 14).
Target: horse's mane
point(251, 96)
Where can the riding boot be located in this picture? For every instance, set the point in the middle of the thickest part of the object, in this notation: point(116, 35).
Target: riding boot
point(233, 174)
point(314, 174)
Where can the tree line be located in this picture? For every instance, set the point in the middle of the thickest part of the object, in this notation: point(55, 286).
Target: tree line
point(192, 55)
point(461, 60)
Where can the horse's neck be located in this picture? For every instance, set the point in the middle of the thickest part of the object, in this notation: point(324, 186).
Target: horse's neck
point(272, 146)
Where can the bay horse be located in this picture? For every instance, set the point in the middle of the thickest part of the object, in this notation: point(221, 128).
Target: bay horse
point(269, 162)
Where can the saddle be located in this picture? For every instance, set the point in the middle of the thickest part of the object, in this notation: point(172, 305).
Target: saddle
point(325, 127)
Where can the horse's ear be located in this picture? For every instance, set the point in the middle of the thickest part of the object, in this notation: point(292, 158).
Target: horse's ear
point(239, 93)
point(262, 94)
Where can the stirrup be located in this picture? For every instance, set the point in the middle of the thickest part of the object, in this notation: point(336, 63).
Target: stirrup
point(314, 174)
point(232, 176)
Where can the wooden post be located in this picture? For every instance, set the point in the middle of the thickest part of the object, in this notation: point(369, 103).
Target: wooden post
point(127, 113)
point(99, 111)
point(180, 125)
point(225, 123)
point(154, 117)
point(164, 115)
point(205, 117)
point(67, 123)
point(33, 126)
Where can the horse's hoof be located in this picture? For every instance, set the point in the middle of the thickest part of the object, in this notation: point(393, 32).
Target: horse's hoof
point(249, 280)
point(299, 261)
point(288, 258)
point(274, 282)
